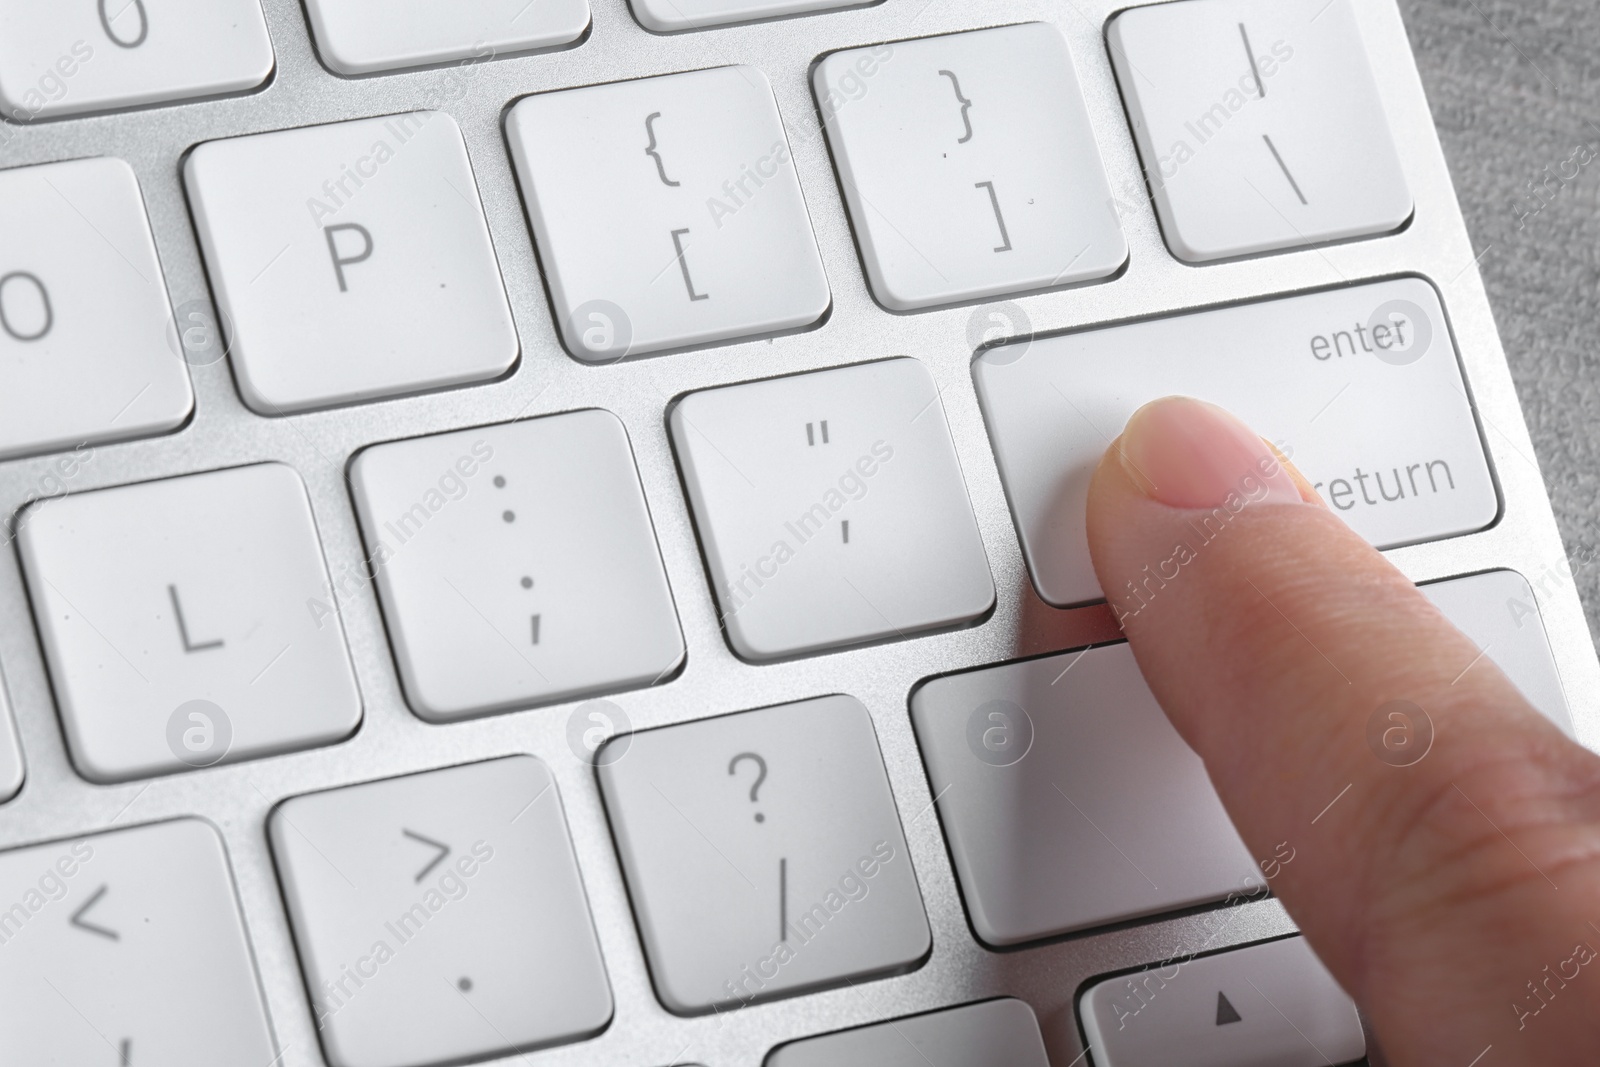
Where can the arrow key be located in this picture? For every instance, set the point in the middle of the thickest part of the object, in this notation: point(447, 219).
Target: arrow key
point(1266, 1003)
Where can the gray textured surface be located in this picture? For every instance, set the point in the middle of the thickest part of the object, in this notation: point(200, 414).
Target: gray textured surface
point(1515, 88)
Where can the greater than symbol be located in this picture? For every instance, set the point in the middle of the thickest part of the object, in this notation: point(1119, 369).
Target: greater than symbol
point(1226, 1013)
point(443, 851)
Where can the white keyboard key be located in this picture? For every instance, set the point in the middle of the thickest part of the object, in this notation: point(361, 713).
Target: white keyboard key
point(1273, 1003)
point(1497, 610)
point(84, 319)
point(353, 260)
point(1259, 124)
point(832, 508)
point(11, 770)
point(667, 212)
point(67, 59)
point(440, 916)
point(127, 948)
point(517, 564)
point(975, 1035)
point(969, 166)
point(1034, 762)
point(1360, 386)
point(188, 621)
point(763, 854)
point(665, 16)
point(363, 36)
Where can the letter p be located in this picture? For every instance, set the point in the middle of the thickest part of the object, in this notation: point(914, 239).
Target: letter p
point(341, 262)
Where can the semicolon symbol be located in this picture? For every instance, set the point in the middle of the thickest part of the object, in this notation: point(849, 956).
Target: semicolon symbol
point(650, 149)
point(443, 851)
point(966, 105)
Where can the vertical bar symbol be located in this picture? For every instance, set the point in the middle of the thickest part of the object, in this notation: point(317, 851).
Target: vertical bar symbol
point(536, 629)
point(783, 899)
point(845, 526)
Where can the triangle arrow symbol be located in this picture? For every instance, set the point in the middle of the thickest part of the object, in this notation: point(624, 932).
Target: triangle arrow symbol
point(444, 850)
point(83, 924)
point(1226, 1013)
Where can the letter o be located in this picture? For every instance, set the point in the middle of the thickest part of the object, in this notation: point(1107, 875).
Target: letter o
point(44, 300)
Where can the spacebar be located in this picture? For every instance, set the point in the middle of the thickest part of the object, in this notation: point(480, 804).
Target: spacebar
point(1360, 386)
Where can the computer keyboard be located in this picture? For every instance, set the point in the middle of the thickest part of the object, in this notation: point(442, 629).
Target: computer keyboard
point(552, 532)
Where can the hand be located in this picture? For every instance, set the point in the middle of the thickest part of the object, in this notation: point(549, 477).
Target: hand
point(1456, 899)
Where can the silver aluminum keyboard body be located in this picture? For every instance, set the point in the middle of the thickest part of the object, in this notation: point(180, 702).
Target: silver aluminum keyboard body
point(57, 802)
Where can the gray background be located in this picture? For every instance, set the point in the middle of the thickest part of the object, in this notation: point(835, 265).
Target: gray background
point(1515, 89)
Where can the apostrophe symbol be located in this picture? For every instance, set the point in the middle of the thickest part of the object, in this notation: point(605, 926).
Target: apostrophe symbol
point(761, 776)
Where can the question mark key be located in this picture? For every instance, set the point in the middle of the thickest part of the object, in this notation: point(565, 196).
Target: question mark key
point(746, 837)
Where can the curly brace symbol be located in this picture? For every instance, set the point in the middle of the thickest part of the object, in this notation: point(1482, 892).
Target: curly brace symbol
point(650, 149)
point(966, 105)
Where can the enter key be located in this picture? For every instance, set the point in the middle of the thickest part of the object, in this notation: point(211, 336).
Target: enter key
point(1360, 386)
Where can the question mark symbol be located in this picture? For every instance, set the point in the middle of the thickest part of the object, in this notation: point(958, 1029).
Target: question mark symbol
point(761, 775)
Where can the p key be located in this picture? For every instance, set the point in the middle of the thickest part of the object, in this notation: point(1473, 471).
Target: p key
point(353, 260)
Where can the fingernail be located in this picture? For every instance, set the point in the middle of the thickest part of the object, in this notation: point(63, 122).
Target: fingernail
point(1185, 453)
